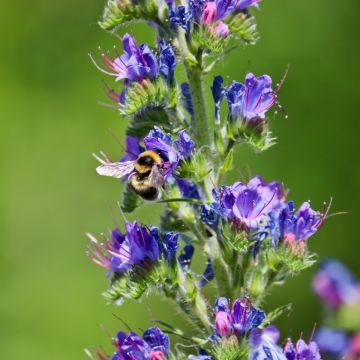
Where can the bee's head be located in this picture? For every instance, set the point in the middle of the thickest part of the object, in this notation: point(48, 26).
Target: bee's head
point(146, 160)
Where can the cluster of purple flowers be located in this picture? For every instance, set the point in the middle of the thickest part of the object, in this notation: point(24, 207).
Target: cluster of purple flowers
point(337, 288)
point(208, 13)
point(262, 209)
point(138, 246)
point(137, 64)
point(241, 318)
point(154, 345)
point(247, 102)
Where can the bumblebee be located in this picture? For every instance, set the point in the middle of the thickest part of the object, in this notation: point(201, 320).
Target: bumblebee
point(145, 176)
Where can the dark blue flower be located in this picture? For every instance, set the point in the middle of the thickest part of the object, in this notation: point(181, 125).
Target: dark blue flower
point(334, 284)
point(188, 189)
point(333, 342)
point(185, 144)
point(218, 92)
point(158, 340)
point(208, 274)
point(187, 98)
point(234, 96)
point(186, 256)
point(171, 245)
point(132, 346)
point(181, 16)
point(203, 355)
point(209, 216)
point(168, 61)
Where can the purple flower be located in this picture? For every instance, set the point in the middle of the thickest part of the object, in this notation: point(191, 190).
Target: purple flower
point(251, 100)
point(157, 340)
point(302, 350)
point(263, 344)
point(333, 342)
point(135, 64)
point(220, 29)
point(250, 203)
point(136, 247)
point(132, 346)
point(335, 285)
point(133, 148)
point(245, 316)
point(168, 61)
point(185, 144)
point(294, 227)
point(154, 345)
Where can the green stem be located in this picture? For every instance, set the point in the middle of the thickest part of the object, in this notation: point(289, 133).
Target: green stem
point(194, 72)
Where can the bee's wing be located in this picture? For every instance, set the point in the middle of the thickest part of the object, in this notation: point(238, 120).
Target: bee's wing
point(116, 170)
point(156, 179)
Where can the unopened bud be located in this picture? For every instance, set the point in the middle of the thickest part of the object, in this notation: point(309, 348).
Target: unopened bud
point(223, 324)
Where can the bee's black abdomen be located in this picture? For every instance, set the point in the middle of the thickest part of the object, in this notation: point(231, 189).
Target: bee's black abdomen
point(149, 193)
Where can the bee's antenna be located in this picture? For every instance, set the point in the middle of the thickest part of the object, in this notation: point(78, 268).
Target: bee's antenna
point(105, 157)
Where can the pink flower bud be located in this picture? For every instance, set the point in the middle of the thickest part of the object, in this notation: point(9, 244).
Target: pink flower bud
point(220, 29)
point(209, 15)
point(222, 324)
point(157, 355)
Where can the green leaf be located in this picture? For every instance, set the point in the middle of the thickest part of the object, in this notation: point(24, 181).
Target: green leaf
point(228, 163)
point(274, 315)
point(143, 122)
point(130, 201)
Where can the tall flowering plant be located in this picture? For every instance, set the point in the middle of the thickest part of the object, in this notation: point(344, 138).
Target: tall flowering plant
point(177, 153)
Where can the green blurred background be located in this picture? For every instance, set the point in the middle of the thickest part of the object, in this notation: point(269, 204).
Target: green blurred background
point(50, 303)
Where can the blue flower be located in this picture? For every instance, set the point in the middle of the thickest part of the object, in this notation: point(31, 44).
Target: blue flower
point(185, 144)
point(263, 345)
point(334, 284)
point(234, 96)
point(209, 216)
point(171, 246)
point(333, 342)
point(221, 304)
point(168, 61)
